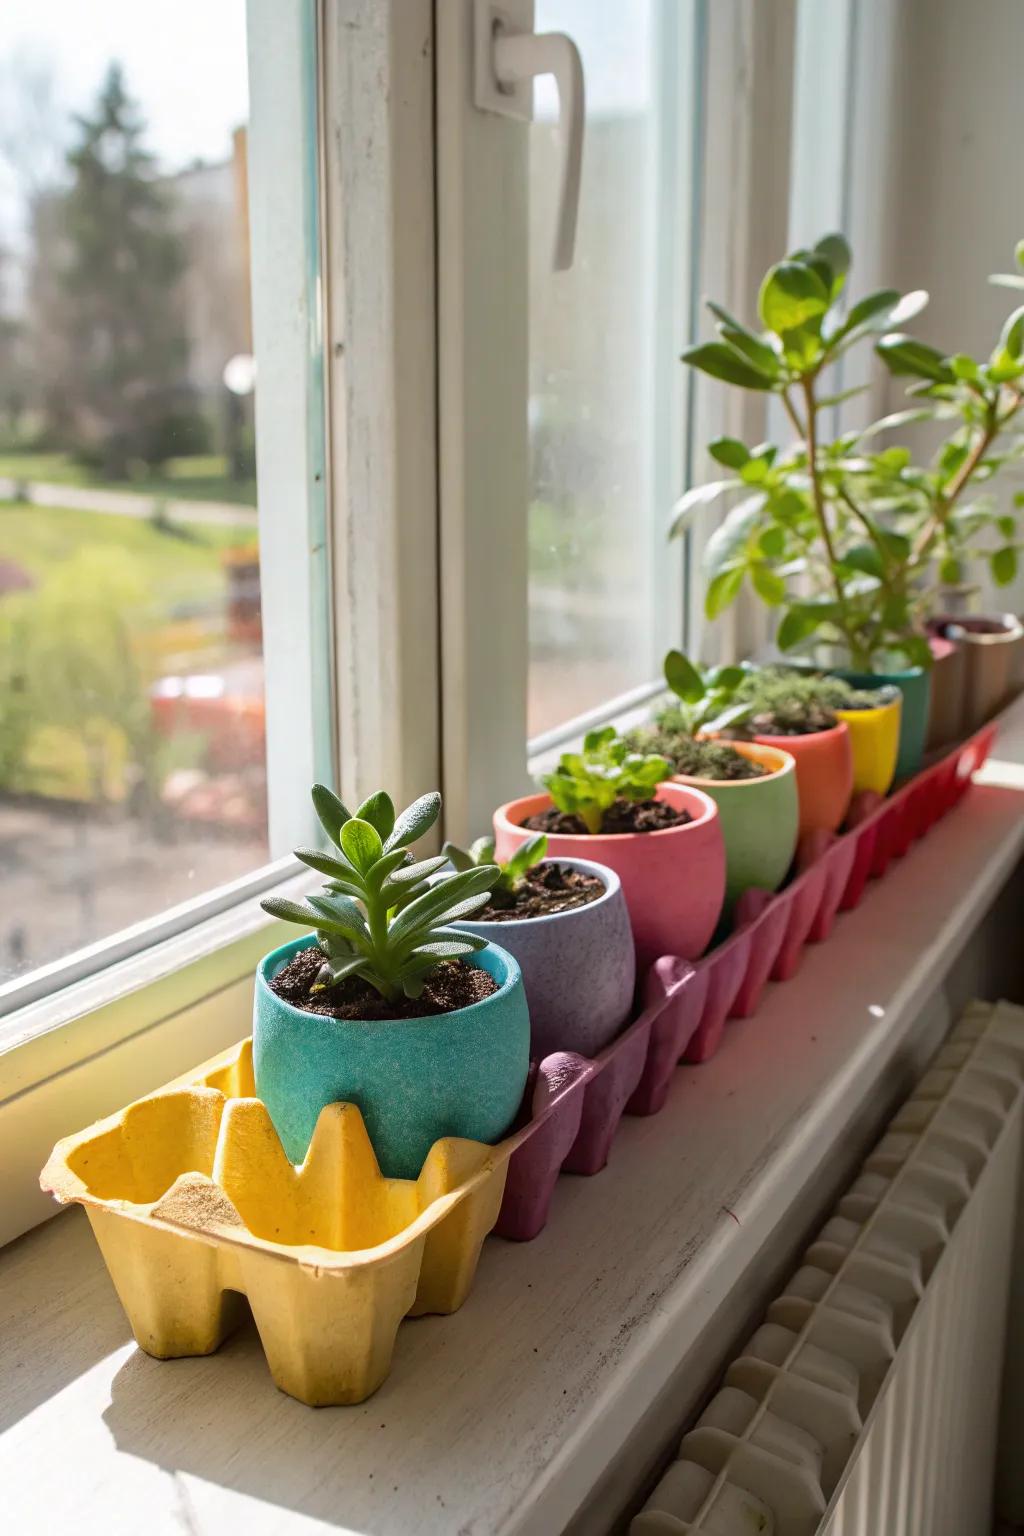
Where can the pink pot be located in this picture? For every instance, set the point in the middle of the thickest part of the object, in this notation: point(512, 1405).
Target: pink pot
point(824, 775)
point(674, 880)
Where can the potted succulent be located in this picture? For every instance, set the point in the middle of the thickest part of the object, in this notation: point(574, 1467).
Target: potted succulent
point(814, 529)
point(663, 840)
point(385, 1004)
point(754, 786)
point(565, 922)
point(872, 716)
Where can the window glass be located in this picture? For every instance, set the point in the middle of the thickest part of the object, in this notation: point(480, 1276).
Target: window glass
point(604, 416)
point(132, 753)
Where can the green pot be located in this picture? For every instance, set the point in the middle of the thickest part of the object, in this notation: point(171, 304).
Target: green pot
point(759, 819)
point(415, 1080)
point(915, 684)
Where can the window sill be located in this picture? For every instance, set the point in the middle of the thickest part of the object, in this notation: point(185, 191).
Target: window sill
point(506, 1416)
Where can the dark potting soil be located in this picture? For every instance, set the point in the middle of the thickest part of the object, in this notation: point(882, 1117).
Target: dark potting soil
point(712, 760)
point(454, 984)
point(544, 890)
point(622, 816)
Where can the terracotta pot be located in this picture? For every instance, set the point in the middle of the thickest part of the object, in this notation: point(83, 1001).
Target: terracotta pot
point(992, 645)
point(949, 677)
point(875, 743)
point(915, 685)
point(578, 967)
point(824, 775)
point(759, 819)
point(673, 880)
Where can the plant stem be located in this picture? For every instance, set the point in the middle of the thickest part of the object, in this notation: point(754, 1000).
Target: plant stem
point(946, 501)
point(820, 509)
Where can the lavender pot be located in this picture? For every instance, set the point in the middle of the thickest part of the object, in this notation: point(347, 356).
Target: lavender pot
point(579, 968)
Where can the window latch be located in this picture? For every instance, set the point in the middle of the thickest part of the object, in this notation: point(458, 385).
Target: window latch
point(506, 61)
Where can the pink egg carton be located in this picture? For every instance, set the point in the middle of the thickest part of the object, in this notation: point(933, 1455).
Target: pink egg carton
point(574, 1105)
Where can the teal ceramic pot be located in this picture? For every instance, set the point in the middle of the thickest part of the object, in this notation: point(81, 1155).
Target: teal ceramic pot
point(414, 1080)
point(915, 684)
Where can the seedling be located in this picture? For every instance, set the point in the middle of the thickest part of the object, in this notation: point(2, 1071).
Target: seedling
point(707, 699)
point(588, 783)
point(798, 703)
point(377, 917)
point(512, 873)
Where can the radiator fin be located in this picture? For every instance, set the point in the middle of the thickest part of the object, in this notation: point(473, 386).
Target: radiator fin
point(866, 1403)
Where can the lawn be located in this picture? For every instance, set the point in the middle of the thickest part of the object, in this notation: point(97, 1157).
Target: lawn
point(175, 568)
point(202, 477)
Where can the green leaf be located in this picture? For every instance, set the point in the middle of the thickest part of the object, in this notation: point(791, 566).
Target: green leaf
point(336, 971)
point(721, 362)
point(909, 306)
point(951, 572)
point(729, 451)
point(964, 368)
point(772, 543)
point(722, 590)
point(770, 588)
point(361, 844)
point(1003, 565)
point(742, 339)
point(692, 500)
point(728, 545)
point(727, 679)
point(835, 251)
point(458, 857)
point(863, 557)
point(379, 811)
point(443, 900)
point(1018, 253)
point(338, 914)
point(331, 812)
point(905, 355)
point(525, 857)
point(1007, 526)
point(414, 821)
point(791, 295)
point(289, 911)
point(683, 678)
point(481, 850)
point(795, 626)
point(870, 308)
point(325, 864)
point(1012, 335)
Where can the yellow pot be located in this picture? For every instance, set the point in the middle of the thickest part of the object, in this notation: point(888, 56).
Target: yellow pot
point(875, 742)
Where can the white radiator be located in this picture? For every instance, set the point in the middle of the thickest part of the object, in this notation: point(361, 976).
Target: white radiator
point(867, 1402)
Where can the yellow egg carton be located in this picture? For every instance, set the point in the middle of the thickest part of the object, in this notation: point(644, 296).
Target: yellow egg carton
point(195, 1206)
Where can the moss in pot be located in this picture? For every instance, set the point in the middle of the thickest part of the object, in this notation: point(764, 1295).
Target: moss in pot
point(385, 1004)
point(612, 804)
point(566, 923)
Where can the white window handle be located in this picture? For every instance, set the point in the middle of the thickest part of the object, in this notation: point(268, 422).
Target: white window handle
point(506, 62)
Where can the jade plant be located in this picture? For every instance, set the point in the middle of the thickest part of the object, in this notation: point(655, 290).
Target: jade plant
point(381, 916)
point(588, 783)
point(847, 541)
point(705, 700)
point(511, 874)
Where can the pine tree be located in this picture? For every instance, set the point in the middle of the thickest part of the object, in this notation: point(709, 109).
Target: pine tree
point(126, 348)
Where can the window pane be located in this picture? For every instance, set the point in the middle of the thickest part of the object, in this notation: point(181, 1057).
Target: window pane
point(132, 753)
point(604, 343)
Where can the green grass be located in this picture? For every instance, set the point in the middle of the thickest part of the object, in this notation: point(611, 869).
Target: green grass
point(174, 570)
point(202, 477)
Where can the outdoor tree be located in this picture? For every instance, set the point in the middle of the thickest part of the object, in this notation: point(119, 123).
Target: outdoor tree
point(122, 262)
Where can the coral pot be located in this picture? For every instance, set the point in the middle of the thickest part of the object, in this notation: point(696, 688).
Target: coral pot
point(824, 775)
point(759, 819)
point(991, 645)
point(673, 880)
point(949, 679)
point(415, 1080)
point(875, 743)
point(915, 685)
point(578, 967)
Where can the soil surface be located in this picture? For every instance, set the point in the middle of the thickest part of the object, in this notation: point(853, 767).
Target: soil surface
point(622, 816)
point(712, 760)
point(453, 985)
point(544, 890)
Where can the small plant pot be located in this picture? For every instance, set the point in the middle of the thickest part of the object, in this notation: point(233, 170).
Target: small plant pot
point(673, 880)
point(414, 1080)
point(949, 679)
point(578, 967)
point(875, 743)
point(992, 645)
point(915, 685)
point(824, 775)
point(759, 819)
